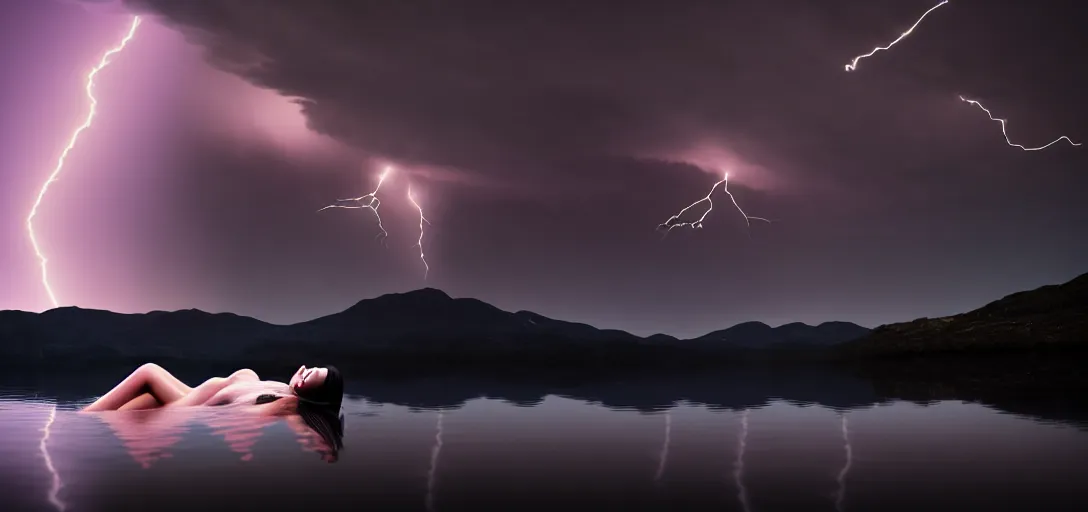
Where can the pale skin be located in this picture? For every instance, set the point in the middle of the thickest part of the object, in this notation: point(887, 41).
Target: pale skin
point(151, 386)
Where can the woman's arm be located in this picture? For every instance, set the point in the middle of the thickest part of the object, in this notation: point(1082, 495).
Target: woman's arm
point(200, 394)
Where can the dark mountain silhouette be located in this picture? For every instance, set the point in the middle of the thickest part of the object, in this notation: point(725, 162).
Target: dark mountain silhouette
point(1052, 316)
point(760, 335)
point(661, 338)
point(427, 327)
point(76, 332)
point(421, 327)
point(429, 316)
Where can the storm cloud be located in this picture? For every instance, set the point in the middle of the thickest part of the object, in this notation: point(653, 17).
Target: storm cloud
point(549, 138)
point(518, 91)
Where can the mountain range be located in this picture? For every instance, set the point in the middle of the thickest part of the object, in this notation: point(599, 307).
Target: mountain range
point(427, 326)
point(412, 325)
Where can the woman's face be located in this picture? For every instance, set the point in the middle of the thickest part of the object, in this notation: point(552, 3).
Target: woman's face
point(308, 378)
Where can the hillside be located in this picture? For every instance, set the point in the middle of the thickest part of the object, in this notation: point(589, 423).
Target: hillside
point(1051, 316)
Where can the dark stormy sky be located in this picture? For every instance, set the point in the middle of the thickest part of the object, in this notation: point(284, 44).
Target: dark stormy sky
point(545, 141)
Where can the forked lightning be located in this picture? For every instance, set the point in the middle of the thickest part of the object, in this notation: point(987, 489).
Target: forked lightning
point(369, 202)
point(675, 222)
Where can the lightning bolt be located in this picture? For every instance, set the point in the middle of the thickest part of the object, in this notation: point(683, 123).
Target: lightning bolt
point(431, 474)
point(747, 218)
point(738, 464)
point(663, 457)
point(422, 219)
point(840, 496)
point(55, 488)
point(1003, 132)
point(675, 222)
point(102, 63)
point(369, 201)
point(854, 64)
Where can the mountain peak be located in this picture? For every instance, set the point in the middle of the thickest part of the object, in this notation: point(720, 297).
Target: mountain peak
point(795, 325)
point(754, 324)
point(429, 293)
point(421, 296)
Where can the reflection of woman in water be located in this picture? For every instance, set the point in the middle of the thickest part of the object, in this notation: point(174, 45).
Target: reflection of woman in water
point(313, 395)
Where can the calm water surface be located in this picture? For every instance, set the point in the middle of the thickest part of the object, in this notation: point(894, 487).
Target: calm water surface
point(558, 452)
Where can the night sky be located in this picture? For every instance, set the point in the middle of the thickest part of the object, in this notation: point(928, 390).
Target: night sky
point(545, 141)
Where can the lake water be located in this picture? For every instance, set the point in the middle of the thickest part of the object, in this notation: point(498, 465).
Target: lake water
point(759, 450)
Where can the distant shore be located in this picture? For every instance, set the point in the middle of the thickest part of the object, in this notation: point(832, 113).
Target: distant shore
point(428, 330)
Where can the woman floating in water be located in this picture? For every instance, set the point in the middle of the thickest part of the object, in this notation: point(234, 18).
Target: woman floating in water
point(314, 394)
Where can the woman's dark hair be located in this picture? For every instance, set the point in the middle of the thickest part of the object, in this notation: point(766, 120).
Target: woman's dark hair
point(330, 394)
point(320, 410)
point(328, 423)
